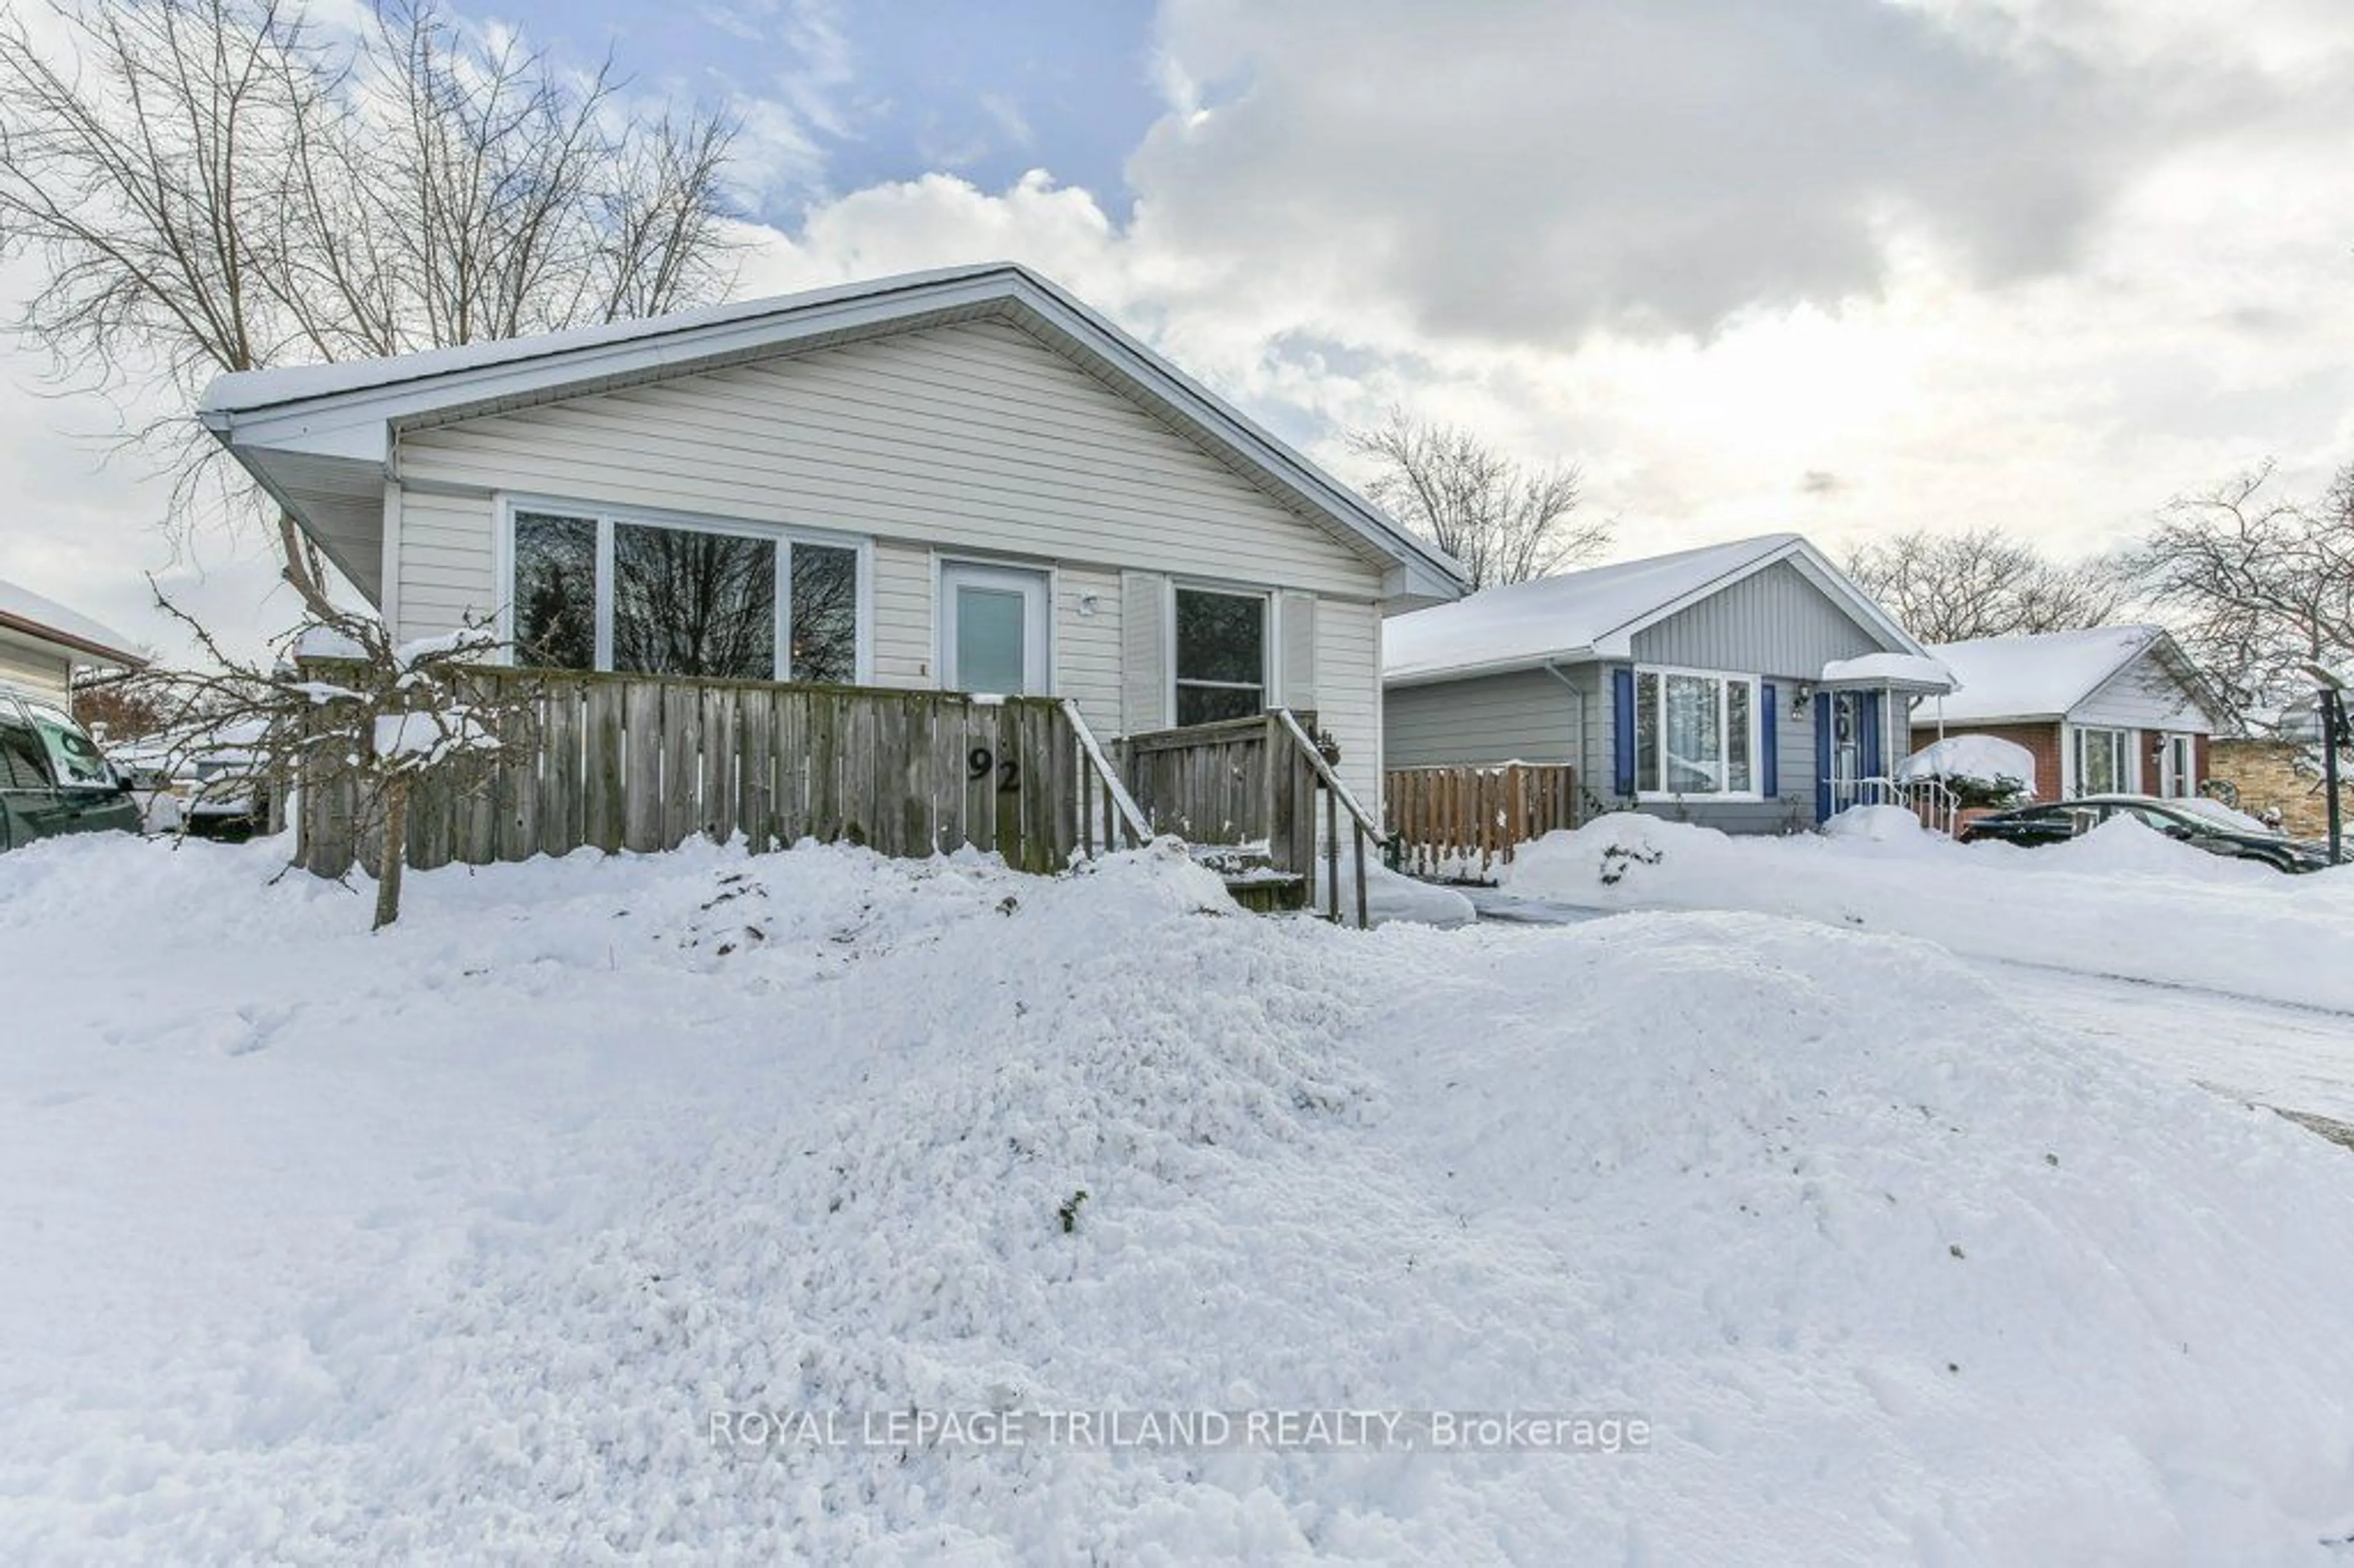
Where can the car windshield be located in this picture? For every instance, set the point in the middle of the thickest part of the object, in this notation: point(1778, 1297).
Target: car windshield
point(74, 757)
point(2218, 814)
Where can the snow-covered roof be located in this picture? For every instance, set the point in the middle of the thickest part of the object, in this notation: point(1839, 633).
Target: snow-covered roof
point(1911, 671)
point(2037, 677)
point(22, 609)
point(319, 437)
point(1594, 614)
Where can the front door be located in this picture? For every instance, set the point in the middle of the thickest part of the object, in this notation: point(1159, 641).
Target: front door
point(993, 630)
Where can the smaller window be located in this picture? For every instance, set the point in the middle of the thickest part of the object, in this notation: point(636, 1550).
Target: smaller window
point(1221, 655)
point(555, 590)
point(824, 614)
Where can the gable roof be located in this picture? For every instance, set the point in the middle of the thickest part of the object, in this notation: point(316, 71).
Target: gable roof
point(321, 438)
point(1595, 613)
point(36, 615)
point(2048, 675)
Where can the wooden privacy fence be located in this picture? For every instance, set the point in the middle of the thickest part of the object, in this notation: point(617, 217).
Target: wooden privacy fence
point(644, 762)
point(1446, 818)
point(1237, 781)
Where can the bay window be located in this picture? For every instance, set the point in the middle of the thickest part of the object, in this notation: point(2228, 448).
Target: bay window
point(1221, 669)
point(596, 591)
point(1695, 733)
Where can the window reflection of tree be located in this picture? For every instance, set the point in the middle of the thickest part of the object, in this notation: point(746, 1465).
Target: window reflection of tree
point(688, 603)
point(556, 591)
point(824, 614)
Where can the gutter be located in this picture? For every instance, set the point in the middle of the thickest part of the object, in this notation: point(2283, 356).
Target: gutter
point(67, 640)
point(1514, 665)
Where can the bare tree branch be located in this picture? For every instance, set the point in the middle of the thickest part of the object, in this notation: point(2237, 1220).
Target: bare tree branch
point(1504, 522)
point(1954, 587)
point(220, 186)
point(2256, 587)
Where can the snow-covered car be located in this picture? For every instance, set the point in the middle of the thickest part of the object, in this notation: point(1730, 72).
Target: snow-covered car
point(2209, 825)
point(53, 778)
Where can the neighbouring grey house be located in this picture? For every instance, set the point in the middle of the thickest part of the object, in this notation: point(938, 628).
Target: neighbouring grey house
point(42, 643)
point(960, 480)
point(1749, 686)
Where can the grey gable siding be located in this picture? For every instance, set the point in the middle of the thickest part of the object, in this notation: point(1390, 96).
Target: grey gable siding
point(1771, 622)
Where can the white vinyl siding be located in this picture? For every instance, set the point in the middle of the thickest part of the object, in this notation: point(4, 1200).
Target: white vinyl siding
point(32, 668)
point(1088, 644)
point(970, 442)
point(1347, 691)
point(972, 436)
point(2144, 695)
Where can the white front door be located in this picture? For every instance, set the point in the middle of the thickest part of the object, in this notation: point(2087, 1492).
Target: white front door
point(993, 630)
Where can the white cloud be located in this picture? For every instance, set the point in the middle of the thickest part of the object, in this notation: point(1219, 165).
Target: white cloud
point(2040, 263)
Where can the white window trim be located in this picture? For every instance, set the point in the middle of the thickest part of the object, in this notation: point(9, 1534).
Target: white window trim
point(1756, 759)
point(605, 517)
point(2072, 760)
point(1270, 640)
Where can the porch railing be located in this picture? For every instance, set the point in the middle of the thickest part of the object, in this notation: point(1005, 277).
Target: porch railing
point(1937, 806)
point(1254, 783)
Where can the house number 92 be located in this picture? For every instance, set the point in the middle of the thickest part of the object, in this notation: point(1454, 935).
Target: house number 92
point(979, 760)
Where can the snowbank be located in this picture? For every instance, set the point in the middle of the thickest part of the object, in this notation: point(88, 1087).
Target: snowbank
point(2122, 900)
point(1390, 896)
point(1877, 824)
point(454, 1242)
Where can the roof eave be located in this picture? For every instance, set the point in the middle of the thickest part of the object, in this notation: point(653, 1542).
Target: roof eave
point(48, 633)
point(1513, 665)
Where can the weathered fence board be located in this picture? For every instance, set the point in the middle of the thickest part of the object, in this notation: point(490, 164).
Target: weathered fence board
point(646, 762)
point(1465, 821)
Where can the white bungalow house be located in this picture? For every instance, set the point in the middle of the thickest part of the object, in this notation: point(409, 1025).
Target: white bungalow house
point(42, 643)
point(1749, 686)
point(962, 479)
point(2114, 709)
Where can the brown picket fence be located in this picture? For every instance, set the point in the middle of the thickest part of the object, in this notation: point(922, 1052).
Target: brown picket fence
point(1464, 821)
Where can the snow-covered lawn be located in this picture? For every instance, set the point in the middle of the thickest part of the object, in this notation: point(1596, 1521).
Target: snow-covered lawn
point(451, 1244)
point(2123, 901)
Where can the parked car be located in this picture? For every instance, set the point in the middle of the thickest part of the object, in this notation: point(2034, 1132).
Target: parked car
point(2209, 825)
point(210, 792)
point(53, 778)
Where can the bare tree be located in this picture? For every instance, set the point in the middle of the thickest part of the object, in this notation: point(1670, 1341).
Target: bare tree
point(1504, 522)
point(367, 724)
point(225, 184)
point(2257, 586)
point(1953, 587)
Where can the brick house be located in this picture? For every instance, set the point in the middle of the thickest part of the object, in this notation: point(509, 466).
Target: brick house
point(2113, 710)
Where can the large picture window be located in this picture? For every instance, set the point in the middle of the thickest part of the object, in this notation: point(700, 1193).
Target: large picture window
point(1221, 655)
point(2102, 766)
point(663, 598)
point(1696, 734)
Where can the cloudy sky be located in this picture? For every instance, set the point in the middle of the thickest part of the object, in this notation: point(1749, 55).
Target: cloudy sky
point(1843, 265)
